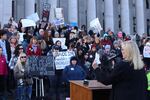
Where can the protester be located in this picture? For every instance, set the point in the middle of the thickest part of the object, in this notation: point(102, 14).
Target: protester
point(5, 45)
point(3, 75)
point(128, 77)
point(73, 72)
point(13, 43)
point(33, 48)
point(24, 79)
point(7, 53)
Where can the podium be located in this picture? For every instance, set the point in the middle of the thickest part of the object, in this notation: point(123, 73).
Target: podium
point(93, 91)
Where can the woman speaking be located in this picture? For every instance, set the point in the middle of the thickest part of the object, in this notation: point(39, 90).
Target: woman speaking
point(128, 77)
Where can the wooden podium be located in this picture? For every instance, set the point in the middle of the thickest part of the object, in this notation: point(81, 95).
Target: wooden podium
point(93, 91)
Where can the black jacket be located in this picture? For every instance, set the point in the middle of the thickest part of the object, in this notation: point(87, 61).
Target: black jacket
point(8, 50)
point(127, 83)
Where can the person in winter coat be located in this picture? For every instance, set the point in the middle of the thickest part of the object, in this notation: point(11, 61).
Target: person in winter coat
point(23, 77)
point(73, 72)
point(3, 75)
point(128, 77)
point(33, 48)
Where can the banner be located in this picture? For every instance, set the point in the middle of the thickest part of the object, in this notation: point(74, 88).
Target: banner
point(96, 25)
point(27, 23)
point(34, 17)
point(41, 65)
point(63, 59)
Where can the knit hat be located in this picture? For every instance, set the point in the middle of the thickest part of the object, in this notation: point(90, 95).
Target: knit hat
point(73, 58)
point(107, 47)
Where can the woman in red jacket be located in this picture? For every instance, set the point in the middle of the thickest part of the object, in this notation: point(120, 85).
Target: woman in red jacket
point(3, 75)
point(33, 48)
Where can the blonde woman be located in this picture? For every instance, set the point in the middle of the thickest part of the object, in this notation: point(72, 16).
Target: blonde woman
point(24, 79)
point(128, 77)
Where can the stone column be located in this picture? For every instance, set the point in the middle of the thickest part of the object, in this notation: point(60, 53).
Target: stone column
point(125, 17)
point(91, 11)
point(5, 11)
point(73, 12)
point(140, 20)
point(29, 7)
point(109, 15)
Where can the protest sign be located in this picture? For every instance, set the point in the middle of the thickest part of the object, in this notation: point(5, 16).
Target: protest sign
point(33, 17)
point(62, 40)
point(96, 25)
point(42, 65)
point(59, 13)
point(59, 17)
point(146, 51)
point(59, 22)
point(63, 59)
point(28, 23)
point(45, 14)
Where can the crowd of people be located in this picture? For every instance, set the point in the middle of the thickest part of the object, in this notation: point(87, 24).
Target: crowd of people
point(94, 53)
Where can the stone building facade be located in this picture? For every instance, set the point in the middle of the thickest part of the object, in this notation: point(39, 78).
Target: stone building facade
point(129, 16)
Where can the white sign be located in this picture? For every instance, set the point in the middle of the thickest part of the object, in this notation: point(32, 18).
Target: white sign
point(59, 22)
point(96, 25)
point(34, 17)
point(59, 13)
point(146, 51)
point(62, 40)
point(63, 59)
point(27, 23)
point(59, 16)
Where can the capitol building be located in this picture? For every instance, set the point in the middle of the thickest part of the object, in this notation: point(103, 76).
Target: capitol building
point(129, 16)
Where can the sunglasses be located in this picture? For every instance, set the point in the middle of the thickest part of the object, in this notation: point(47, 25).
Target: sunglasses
point(23, 57)
point(21, 48)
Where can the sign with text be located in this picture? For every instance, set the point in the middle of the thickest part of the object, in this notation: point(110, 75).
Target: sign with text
point(42, 65)
point(96, 25)
point(45, 14)
point(59, 16)
point(28, 23)
point(62, 59)
point(34, 17)
point(146, 51)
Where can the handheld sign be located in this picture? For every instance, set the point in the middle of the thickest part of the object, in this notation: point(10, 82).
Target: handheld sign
point(63, 59)
point(96, 25)
point(42, 65)
point(28, 23)
point(33, 17)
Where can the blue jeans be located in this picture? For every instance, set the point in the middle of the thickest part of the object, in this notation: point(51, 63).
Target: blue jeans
point(24, 92)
